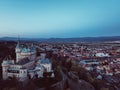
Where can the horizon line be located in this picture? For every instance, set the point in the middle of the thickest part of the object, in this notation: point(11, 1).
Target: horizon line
point(59, 37)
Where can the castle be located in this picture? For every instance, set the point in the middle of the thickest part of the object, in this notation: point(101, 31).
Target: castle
point(26, 64)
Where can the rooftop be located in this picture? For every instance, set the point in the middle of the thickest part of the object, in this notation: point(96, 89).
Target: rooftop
point(45, 61)
point(26, 48)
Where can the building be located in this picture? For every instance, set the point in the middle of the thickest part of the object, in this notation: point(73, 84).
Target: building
point(25, 64)
point(25, 52)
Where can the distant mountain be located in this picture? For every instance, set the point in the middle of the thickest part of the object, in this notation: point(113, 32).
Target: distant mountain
point(87, 39)
point(81, 39)
point(10, 38)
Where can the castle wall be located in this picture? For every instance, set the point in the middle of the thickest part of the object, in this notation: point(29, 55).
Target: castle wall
point(4, 72)
point(20, 56)
point(47, 67)
point(13, 75)
point(23, 73)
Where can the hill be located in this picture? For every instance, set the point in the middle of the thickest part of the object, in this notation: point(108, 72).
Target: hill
point(79, 39)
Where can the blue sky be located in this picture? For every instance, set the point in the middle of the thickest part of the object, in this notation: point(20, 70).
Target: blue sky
point(59, 18)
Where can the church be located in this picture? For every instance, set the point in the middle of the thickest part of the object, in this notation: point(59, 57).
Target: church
point(26, 64)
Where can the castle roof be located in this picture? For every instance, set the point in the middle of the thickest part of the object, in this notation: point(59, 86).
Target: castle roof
point(45, 61)
point(18, 45)
point(8, 60)
point(25, 48)
point(12, 68)
point(8, 57)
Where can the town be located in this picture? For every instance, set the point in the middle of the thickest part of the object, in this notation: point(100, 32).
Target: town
point(79, 65)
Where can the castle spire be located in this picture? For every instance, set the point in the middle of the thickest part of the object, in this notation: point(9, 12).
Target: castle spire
point(18, 43)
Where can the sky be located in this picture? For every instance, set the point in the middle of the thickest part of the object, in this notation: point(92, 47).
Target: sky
point(59, 18)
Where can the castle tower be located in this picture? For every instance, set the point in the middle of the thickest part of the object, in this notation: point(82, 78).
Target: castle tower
point(25, 52)
point(18, 51)
point(33, 52)
point(5, 66)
